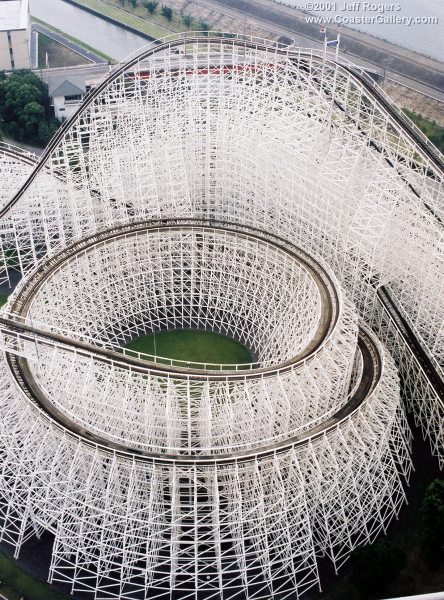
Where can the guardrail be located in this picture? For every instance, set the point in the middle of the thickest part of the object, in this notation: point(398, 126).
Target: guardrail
point(92, 344)
point(176, 362)
point(8, 148)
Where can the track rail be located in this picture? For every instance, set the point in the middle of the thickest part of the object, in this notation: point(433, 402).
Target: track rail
point(371, 374)
point(397, 115)
point(331, 302)
point(412, 342)
point(402, 121)
point(18, 153)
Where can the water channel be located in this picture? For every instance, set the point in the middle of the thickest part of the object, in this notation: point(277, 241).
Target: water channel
point(110, 39)
point(118, 43)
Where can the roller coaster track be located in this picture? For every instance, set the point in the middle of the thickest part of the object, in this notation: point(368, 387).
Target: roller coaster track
point(414, 133)
point(20, 304)
point(397, 115)
point(404, 330)
point(21, 340)
point(370, 354)
point(19, 367)
point(17, 153)
point(403, 122)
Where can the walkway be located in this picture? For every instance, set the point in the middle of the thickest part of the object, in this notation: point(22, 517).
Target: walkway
point(27, 147)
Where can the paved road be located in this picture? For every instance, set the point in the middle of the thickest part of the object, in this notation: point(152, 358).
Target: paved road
point(94, 71)
point(93, 58)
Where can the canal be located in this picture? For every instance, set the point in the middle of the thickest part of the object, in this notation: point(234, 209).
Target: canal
point(110, 39)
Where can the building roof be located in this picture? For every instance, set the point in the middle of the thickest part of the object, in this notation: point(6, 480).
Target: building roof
point(14, 14)
point(64, 86)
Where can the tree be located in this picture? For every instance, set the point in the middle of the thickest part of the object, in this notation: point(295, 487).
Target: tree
point(25, 112)
point(432, 523)
point(47, 129)
point(151, 6)
point(33, 114)
point(204, 26)
point(375, 567)
point(187, 20)
point(133, 3)
point(167, 12)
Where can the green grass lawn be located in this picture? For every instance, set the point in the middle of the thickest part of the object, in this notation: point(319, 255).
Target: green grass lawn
point(432, 130)
point(193, 346)
point(17, 583)
point(3, 299)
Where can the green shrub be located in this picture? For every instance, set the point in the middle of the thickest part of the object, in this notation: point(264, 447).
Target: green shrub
point(432, 523)
point(432, 130)
point(375, 567)
point(187, 20)
point(167, 12)
point(24, 583)
point(151, 6)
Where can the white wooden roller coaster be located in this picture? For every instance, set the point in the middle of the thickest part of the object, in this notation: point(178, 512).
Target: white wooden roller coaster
point(239, 186)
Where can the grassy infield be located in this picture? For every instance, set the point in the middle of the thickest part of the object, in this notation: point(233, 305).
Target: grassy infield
point(18, 583)
point(57, 54)
point(192, 346)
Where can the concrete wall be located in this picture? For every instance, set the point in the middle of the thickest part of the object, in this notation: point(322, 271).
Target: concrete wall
point(408, 98)
point(5, 59)
point(20, 50)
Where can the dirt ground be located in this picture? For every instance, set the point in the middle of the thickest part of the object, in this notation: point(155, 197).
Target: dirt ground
point(407, 98)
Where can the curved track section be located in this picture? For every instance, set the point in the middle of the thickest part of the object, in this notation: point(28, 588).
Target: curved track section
point(370, 375)
point(304, 337)
point(151, 505)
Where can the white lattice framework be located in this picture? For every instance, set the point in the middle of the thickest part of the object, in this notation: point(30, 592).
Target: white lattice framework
point(260, 191)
